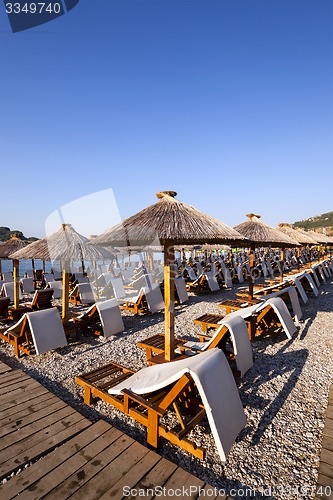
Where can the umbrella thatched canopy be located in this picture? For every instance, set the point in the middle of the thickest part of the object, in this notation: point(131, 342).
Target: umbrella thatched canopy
point(295, 234)
point(299, 237)
point(64, 245)
point(169, 222)
point(12, 245)
point(6, 249)
point(261, 234)
point(306, 234)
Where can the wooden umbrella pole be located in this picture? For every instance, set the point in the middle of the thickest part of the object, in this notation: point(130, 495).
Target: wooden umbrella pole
point(16, 284)
point(169, 301)
point(65, 292)
point(251, 262)
point(282, 263)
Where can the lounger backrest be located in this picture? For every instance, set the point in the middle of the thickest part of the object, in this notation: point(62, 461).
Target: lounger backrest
point(42, 299)
point(8, 291)
point(86, 293)
point(56, 287)
point(28, 285)
point(118, 288)
point(111, 319)
point(154, 298)
point(212, 281)
point(7, 276)
point(46, 329)
point(283, 314)
point(56, 274)
point(181, 289)
point(190, 272)
point(48, 277)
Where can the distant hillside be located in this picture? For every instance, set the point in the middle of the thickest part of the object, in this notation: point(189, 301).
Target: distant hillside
point(317, 223)
point(6, 234)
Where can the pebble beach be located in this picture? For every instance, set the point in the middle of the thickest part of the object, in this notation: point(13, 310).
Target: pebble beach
point(284, 396)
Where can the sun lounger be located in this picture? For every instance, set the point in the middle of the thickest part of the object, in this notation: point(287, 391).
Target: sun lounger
point(7, 276)
point(233, 328)
point(147, 300)
point(56, 287)
point(36, 332)
point(262, 318)
point(7, 290)
point(204, 382)
point(82, 293)
point(118, 288)
point(102, 318)
point(181, 292)
point(42, 299)
point(27, 285)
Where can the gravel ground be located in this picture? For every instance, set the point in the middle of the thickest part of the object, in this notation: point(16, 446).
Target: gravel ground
point(284, 396)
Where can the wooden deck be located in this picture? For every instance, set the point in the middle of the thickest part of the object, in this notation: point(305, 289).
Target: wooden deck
point(54, 452)
point(324, 487)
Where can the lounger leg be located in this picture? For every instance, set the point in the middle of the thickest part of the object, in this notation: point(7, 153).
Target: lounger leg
point(152, 429)
point(87, 396)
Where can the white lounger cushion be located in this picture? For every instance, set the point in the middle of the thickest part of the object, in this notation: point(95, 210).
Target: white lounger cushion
point(181, 289)
point(28, 285)
point(86, 293)
point(118, 288)
point(212, 281)
point(111, 319)
point(240, 340)
point(280, 310)
point(7, 290)
point(291, 290)
point(154, 298)
point(56, 287)
point(216, 385)
point(46, 329)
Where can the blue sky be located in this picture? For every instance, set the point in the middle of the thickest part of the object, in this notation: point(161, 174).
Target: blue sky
point(227, 102)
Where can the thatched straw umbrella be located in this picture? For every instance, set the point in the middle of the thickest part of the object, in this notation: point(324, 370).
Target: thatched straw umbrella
point(169, 222)
point(262, 235)
point(64, 245)
point(300, 237)
point(6, 249)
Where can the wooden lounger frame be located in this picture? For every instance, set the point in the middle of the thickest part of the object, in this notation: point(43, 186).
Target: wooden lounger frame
point(148, 410)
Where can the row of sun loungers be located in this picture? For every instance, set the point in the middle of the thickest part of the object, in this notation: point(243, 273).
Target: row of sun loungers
point(200, 383)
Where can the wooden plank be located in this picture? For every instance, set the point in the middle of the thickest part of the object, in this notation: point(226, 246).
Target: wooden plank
point(324, 488)
point(117, 466)
point(28, 478)
point(33, 417)
point(157, 476)
point(326, 469)
point(21, 409)
point(327, 443)
point(11, 379)
point(329, 422)
point(328, 429)
point(43, 442)
point(132, 476)
point(21, 397)
point(326, 456)
point(12, 375)
point(4, 368)
point(182, 479)
point(25, 385)
point(95, 461)
point(14, 441)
